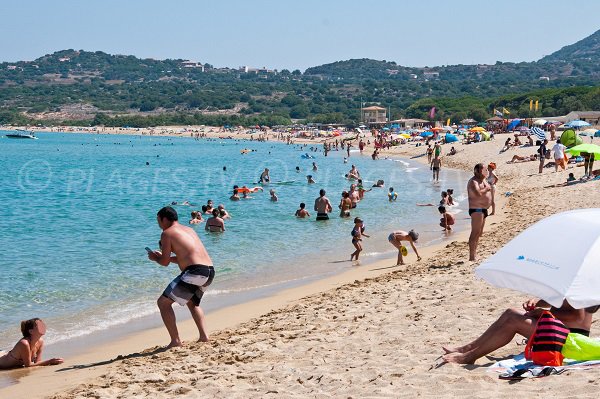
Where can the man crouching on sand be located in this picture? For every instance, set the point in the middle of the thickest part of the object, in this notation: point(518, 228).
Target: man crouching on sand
point(197, 272)
point(514, 321)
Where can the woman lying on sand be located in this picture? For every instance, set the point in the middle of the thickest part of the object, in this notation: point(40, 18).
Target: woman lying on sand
point(518, 158)
point(28, 351)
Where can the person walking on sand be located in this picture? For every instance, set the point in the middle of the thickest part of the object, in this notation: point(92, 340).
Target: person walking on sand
point(357, 233)
point(429, 153)
point(492, 180)
point(542, 155)
point(197, 273)
point(28, 351)
point(436, 165)
point(480, 199)
point(559, 155)
point(322, 206)
point(396, 239)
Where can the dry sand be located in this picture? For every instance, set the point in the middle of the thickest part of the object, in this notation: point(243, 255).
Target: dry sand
point(369, 336)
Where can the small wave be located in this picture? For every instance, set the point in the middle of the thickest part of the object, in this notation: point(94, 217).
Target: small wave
point(410, 170)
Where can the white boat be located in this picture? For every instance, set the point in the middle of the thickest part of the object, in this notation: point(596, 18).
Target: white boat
point(21, 134)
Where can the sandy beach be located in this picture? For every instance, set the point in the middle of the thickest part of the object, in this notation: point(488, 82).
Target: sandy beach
point(374, 331)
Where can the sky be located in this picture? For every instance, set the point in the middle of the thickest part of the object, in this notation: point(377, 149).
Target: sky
point(297, 34)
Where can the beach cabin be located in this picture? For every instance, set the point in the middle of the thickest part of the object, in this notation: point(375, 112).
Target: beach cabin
point(374, 115)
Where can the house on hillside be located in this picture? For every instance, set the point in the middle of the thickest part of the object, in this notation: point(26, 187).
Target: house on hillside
point(373, 114)
point(192, 64)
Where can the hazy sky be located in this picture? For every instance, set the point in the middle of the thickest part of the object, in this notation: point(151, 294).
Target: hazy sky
point(298, 34)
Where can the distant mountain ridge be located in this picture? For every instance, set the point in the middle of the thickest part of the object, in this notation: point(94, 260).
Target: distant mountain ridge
point(96, 87)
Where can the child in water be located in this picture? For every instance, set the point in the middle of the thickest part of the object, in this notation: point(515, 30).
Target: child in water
point(392, 195)
point(357, 233)
point(28, 351)
point(273, 196)
point(302, 213)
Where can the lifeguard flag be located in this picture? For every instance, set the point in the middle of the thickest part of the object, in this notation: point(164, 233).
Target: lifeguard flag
point(505, 110)
point(497, 113)
point(432, 113)
point(536, 104)
point(530, 105)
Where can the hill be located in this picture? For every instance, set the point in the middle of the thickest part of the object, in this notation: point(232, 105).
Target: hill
point(72, 86)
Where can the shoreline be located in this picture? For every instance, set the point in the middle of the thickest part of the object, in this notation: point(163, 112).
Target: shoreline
point(91, 362)
point(401, 318)
point(129, 334)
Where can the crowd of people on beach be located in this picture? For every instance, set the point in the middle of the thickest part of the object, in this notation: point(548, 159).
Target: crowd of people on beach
point(182, 246)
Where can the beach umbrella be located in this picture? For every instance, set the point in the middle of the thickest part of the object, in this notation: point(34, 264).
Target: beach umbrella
point(450, 138)
point(426, 134)
point(404, 135)
point(597, 134)
point(477, 129)
point(437, 129)
point(528, 264)
point(577, 124)
point(540, 122)
point(589, 148)
point(539, 133)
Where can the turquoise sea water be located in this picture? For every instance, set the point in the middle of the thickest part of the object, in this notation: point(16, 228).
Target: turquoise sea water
point(78, 210)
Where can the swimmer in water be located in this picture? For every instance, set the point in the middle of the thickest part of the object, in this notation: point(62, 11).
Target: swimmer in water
point(315, 168)
point(302, 212)
point(310, 179)
point(345, 205)
point(28, 351)
point(196, 218)
point(235, 196)
point(215, 224)
point(392, 195)
point(273, 196)
point(223, 213)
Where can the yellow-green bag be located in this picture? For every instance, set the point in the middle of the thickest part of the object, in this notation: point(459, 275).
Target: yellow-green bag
point(582, 348)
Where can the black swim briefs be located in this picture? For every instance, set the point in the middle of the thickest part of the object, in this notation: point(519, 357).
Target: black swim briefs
point(482, 210)
point(322, 216)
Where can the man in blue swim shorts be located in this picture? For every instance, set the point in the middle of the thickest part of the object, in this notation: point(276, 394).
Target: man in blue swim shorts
point(197, 273)
point(480, 199)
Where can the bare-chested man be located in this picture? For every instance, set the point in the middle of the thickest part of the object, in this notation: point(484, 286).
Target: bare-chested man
point(322, 206)
point(436, 165)
point(196, 267)
point(480, 199)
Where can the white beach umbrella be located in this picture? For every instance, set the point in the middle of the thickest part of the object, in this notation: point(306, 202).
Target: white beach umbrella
point(530, 263)
point(540, 122)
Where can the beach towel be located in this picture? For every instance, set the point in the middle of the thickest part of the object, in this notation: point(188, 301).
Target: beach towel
point(518, 364)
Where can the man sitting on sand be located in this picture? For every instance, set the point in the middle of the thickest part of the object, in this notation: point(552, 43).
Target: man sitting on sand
point(396, 239)
point(28, 351)
point(196, 267)
point(515, 321)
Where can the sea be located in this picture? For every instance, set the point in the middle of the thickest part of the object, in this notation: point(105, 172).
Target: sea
point(77, 211)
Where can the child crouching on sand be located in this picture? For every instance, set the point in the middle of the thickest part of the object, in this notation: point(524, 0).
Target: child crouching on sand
point(357, 233)
point(28, 351)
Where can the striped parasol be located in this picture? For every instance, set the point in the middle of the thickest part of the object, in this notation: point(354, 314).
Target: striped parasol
point(539, 133)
